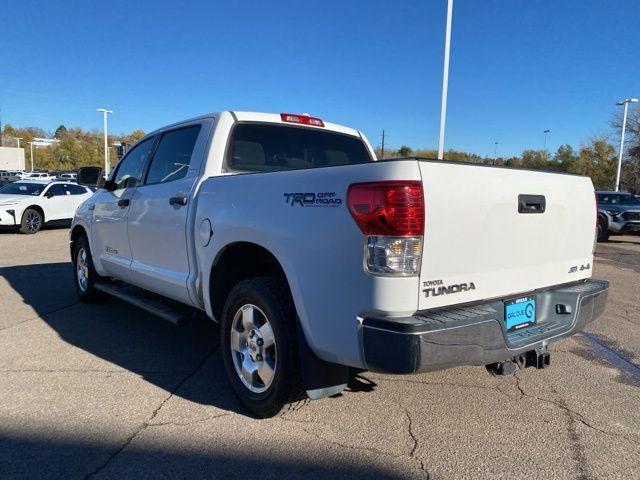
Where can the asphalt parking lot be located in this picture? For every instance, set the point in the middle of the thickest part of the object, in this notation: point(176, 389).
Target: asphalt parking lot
point(109, 391)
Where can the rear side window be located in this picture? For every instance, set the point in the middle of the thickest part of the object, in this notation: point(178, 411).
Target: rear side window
point(269, 148)
point(173, 155)
point(129, 173)
point(76, 190)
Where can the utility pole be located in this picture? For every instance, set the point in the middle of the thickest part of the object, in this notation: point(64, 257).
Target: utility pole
point(382, 149)
point(626, 103)
point(106, 146)
point(445, 79)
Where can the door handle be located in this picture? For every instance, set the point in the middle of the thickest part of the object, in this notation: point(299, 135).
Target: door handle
point(531, 203)
point(180, 200)
point(123, 202)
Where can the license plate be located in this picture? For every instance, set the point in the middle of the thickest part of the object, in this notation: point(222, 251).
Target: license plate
point(520, 313)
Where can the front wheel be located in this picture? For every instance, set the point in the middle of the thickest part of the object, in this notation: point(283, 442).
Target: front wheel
point(31, 221)
point(259, 348)
point(84, 273)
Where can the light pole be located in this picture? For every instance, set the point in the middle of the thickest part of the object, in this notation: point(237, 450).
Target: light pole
point(445, 79)
point(495, 152)
point(18, 139)
point(626, 103)
point(545, 138)
point(31, 145)
point(106, 146)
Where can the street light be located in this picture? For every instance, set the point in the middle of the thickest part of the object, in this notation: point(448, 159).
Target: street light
point(106, 146)
point(626, 103)
point(445, 79)
point(18, 138)
point(495, 151)
point(31, 145)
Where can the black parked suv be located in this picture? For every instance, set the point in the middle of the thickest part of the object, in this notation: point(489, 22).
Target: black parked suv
point(618, 214)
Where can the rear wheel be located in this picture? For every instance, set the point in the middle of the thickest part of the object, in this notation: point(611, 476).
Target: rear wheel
point(31, 221)
point(603, 231)
point(84, 272)
point(258, 342)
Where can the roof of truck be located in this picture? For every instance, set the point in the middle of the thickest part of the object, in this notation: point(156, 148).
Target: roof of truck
point(242, 116)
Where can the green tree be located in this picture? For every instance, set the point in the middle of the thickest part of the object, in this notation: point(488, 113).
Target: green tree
point(405, 151)
point(598, 160)
point(60, 132)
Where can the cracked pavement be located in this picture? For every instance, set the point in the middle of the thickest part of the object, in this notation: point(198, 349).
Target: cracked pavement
point(109, 391)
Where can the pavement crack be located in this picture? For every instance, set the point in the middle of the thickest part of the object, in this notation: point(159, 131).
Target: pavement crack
point(147, 423)
point(411, 433)
point(189, 423)
point(577, 416)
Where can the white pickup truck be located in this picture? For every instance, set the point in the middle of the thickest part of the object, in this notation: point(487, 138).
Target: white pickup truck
point(317, 259)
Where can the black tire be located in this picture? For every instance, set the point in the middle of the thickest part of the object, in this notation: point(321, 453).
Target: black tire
point(273, 302)
point(31, 221)
point(88, 292)
point(603, 231)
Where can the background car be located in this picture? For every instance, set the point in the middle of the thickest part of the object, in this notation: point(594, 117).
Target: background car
point(618, 214)
point(29, 204)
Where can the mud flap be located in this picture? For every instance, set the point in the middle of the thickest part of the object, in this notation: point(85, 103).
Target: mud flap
point(321, 379)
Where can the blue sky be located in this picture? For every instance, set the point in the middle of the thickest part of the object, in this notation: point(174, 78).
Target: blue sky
point(517, 67)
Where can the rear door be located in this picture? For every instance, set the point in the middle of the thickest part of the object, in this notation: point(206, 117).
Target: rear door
point(109, 230)
point(494, 232)
point(159, 210)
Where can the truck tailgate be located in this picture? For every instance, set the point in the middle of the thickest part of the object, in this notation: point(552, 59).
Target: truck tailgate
point(478, 244)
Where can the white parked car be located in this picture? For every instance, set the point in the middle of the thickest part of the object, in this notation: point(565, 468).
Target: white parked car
point(72, 177)
point(30, 204)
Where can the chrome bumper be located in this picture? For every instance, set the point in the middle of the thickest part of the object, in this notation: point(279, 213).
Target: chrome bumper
point(476, 335)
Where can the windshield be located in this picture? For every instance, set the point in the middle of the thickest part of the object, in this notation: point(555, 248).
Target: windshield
point(268, 148)
point(22, 188)
point(617, 199)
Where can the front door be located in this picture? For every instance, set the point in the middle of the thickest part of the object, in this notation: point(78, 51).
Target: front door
point(158, 216)
point(110, 247)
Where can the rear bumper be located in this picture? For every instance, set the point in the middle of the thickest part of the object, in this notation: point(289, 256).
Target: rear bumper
point(476, 335)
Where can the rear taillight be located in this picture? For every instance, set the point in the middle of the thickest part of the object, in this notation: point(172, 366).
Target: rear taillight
point(387, 208)
point(391, 214)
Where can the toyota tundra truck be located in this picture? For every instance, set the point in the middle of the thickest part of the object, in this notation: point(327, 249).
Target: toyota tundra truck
point(318, 260)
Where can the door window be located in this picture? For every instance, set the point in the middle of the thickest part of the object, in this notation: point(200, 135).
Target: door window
point(129, 171)
point(173, 155)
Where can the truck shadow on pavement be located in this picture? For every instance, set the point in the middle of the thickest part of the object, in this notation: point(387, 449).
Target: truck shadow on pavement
point(124, 336)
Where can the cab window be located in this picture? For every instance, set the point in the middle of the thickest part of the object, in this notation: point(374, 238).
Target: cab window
point(129, 170)
point(173, 155)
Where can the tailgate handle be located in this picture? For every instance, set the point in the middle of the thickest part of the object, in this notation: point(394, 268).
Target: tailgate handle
point(531, 203)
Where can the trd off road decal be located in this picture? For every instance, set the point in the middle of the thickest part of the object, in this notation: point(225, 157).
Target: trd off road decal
point(435, 288)
point(311, 199)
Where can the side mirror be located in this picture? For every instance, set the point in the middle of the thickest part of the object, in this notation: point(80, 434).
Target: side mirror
point(89, 176)
point(49, 195)
point(109, 185)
